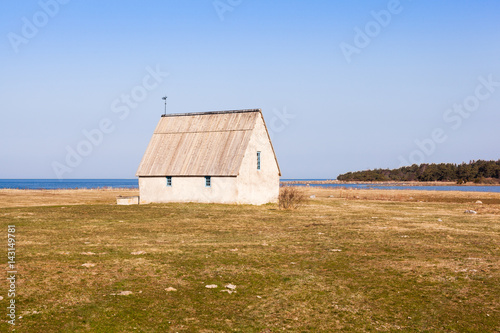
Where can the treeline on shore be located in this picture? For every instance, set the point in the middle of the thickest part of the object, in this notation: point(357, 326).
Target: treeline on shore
point(484, 172)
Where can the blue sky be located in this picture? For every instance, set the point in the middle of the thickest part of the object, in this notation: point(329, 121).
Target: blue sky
point(343, 85)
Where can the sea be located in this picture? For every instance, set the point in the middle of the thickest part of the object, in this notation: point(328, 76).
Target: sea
point(462, 188)
point(55, 184)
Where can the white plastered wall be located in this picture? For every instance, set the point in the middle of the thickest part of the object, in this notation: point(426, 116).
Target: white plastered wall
point(188, 189)
point(258, 186)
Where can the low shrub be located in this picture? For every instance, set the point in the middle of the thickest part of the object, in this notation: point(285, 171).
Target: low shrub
point(290, 198)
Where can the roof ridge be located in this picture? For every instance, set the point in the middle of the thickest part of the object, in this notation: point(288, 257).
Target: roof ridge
point(229, 130)
point(209, 112)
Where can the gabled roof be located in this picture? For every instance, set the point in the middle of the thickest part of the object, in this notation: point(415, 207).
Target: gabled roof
point(199, 144)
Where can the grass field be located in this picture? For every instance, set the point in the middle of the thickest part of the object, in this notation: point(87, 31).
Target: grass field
point(348, 260)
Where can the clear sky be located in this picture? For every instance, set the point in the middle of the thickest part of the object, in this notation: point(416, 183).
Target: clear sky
point(343, 85)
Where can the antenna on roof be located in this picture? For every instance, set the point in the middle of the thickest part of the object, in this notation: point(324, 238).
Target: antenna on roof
point(165, 99)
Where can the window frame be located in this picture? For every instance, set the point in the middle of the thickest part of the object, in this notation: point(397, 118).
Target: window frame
point(208, 181)
point(258, 160)
point(169, 181)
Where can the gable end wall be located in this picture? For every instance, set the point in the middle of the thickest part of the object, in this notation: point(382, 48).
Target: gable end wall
point(258, 186)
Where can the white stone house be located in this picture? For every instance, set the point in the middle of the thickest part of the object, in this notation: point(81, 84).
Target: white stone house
point(210, 157)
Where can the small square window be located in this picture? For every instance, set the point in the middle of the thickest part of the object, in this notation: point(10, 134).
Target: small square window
point(258, 160)
point(208, 181)
point(169, 181)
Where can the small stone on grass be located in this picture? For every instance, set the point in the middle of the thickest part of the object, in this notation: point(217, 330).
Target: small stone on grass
point(228, 291)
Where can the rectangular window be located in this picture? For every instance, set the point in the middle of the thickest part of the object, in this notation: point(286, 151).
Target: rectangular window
point(169, 181)
point(208, 181)
point(258, 160)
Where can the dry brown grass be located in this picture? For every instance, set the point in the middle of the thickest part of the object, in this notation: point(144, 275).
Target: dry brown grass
point(29, 198)
point(403, 195)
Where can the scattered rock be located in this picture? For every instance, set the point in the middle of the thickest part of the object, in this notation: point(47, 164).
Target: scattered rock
point(230, 286)
point(405, 236)
point(331, 196)
point(233, 250)
point(467, 211)
point(1, 298)
point(479, 202)
point(125, 293)
point(228, 291)
point(88, 253)
point(312, 196)
point(320, 233)
point(439, 220)
point(259, 296)
point(138, 253)
point(170, 289)
point(88, 265)
point(335, 250)
point(211, 286)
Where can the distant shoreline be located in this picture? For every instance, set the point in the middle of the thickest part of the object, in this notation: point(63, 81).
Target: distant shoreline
point(385, 183)
point(108, 184)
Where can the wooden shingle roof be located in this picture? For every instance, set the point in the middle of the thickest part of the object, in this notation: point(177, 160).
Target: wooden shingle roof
point(199, 144)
